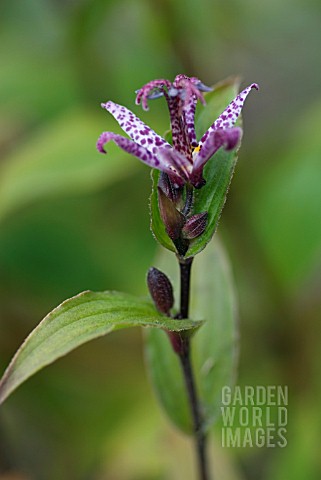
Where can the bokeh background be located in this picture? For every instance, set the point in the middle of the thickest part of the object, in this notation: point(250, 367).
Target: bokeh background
point(71, 220)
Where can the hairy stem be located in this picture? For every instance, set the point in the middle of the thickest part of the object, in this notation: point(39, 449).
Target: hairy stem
point(185, 358)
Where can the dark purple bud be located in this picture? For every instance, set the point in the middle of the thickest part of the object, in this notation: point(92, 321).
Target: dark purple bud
point(168, 187)
point(195, 226)
point(161, 290)
point(172, 218)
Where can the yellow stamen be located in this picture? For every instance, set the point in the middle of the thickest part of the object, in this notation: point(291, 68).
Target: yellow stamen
point(196, 150)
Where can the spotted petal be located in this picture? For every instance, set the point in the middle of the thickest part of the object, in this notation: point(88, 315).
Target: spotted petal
point(179, 133)
point(195, 87)
point(182, 99)
point(135, 128)
point(227, 138)
point(130, 147)
point(189, 112)
point(228, 118)
point(161, 161)
point(177, 163)
point(190, 107)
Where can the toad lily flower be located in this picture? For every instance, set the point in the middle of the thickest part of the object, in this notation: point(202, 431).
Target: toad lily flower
point(185, 159)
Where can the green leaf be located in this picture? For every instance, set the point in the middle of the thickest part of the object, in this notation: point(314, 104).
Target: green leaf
point(214, 346)
point(166, 376)
point(61, 158)
point(82, 318)
point(211, 198)
point(219, 170)
point(156, 224)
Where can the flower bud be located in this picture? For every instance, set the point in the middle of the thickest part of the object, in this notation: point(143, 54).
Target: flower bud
point(172, 218)
point(195, 226)
point(172, 192)
point(161, 290)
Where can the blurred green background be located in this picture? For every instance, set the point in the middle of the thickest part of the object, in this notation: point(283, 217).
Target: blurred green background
point(71, 220)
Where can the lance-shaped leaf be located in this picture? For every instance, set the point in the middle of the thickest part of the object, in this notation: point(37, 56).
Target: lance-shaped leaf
point(211, 198)
point(82, 318)
point(214, 346)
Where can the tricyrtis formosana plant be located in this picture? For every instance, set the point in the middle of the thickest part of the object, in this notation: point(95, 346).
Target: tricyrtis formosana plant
point(189, 360)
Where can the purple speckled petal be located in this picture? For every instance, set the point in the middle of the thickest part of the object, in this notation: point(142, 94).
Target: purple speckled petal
point(228, 118)
point(160, 161)
point(135, 128)
point(146, 91)
point(227, 138)
point(130, 147)
point(189, 113)
point(175, 163)
point(182, 99)
point(178, 126)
